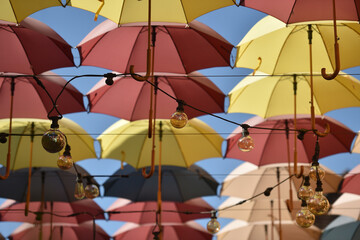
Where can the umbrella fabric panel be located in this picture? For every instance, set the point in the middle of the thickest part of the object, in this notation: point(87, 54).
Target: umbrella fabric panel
point(32, 48)
point(178, 184)
point(32, 101)
point(134, 96)
point(16, 11)
point(178, 49)
point(277, 94)
point(349, 231)
point(306, 10)
point(285, 49)
point(137, 11)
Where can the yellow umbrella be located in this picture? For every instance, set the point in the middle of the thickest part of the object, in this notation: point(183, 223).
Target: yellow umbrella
point(16, 10)
point(80, 142)
point(128, 142)
point(269, 96)
point(285, 48)
point(122, 11)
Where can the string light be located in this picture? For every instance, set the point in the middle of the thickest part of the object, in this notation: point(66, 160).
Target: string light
point(318, 204)
point(179, 118)
point(304, 217)
point(305, 191)
point(53, 140)
point(213, 226)
point(91, 189)
point(65, 162)
point(245, 143)
point(79, 192)
point(316, 170)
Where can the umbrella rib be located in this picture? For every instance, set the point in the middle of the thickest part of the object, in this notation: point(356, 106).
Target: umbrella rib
point(133, 46)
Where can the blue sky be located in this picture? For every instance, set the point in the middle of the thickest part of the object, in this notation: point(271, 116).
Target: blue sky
point(232, 23)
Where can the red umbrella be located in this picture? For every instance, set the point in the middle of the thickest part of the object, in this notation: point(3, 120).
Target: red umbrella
point(31, 101)
point(134, 96)
point(351, 181)
point(83, 210)
point(179, 48)
point(270, 146)
point(172, 212)
point(192, 230)
point(59, 232)
point(293, 11)
point(32, 47)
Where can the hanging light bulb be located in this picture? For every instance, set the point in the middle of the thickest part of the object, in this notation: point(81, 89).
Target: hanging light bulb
point(305, 191)
point(316, 169)
point(91, 190)
point(304, 218)
point(213, 226)
point(179, 119)
point(53, 140)
point(318, 204)
point(79, 192)
point(65, 162)
point(245, 143)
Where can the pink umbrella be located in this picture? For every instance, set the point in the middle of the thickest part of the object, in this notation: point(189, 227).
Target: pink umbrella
point(53, 212)
point(172, 212)
point(195, 89)
point(271, 145)
point(32, 47)
point(191, 230)
point(31, 101)
point(59, 232)
point(351, 181)
point(179, 48)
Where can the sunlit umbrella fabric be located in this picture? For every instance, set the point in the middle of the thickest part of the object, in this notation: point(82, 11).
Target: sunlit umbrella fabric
point(270, 145)
point(134, 96)
point(180, 147)
point(125, 11)
point(348, 231)
point(171, 212)
point(178, 184)
point(347, 204)
point(269, 96)
point(179, 48)
point(32, 48)
point(351, 181)
point(81, 143)
point(285, 48)
point(31, 101)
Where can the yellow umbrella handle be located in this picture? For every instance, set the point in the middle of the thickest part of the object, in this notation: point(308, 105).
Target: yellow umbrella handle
point(337, 54)
point(99, 9)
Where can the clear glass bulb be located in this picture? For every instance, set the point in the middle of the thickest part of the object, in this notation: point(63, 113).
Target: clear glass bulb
point(213, 226)
point(91, 191)
point(179, 119)
point(305, 218)
point(305, 192)
point(246, 144)
point(318, 204)
point(53, 140)
point(65, 162)
point(312, 173)
point(79, 192)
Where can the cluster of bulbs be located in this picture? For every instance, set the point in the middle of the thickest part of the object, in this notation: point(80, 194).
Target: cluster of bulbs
point(313, 202)
point(53, 141)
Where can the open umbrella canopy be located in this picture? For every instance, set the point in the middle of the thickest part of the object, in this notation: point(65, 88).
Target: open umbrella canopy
point(171, 212)
point(347, 204)
point(240, 230)
point(348, 231)
point(32, 47)
point(191, 230)
point(356, 146)
point(269, 96)
point(32, 101)
point(47, 184)
point(285, 48)
point(55, 212)
point(59, 231)
point(304, 11)
point(16, 11)
point(351, 181)
point(180, 147)
point(178, 184)
point(245, 181)
point(82, 144)
point(270, 145)
point(178, 48)
point(134, 96)
point(124, 11)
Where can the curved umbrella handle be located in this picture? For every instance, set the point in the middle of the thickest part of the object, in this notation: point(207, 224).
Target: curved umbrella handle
point(300, 174)
point(337, 55)
point(258, 66)
point(148, 66)
point(152, 169)
point(317, 133)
